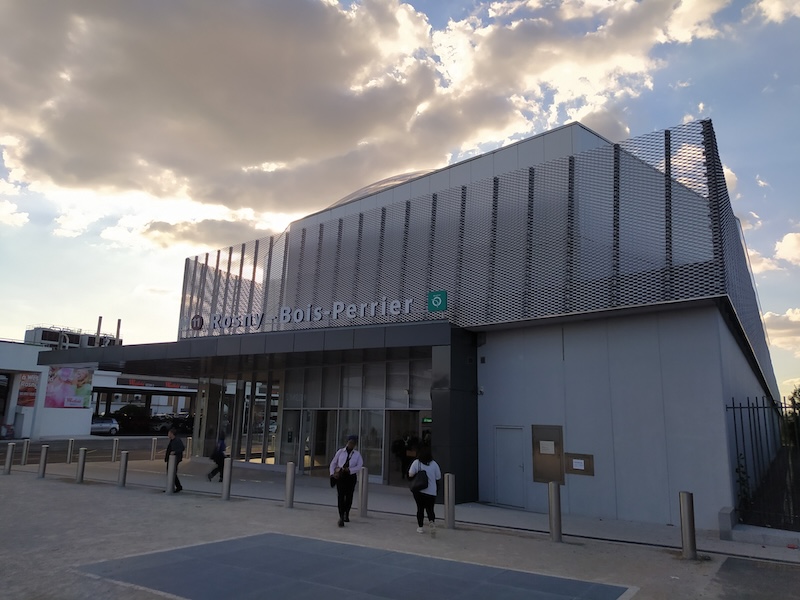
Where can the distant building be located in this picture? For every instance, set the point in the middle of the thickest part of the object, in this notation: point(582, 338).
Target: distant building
point(561, 309)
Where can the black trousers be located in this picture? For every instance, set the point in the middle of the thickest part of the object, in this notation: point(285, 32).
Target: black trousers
point(220, 460)
point(425, 504)
point(345, 486)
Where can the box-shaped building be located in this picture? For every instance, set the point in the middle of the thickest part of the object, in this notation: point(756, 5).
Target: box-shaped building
point(560, 309)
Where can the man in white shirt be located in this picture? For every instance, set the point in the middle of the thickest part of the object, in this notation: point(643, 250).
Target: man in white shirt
point(346, 464)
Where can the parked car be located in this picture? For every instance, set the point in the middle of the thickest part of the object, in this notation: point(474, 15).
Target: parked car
point(104, 425)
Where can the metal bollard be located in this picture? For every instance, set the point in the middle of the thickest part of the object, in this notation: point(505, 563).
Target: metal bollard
point(188, 453)
point(70, 451)
point(153, 449)
point(288, 501)
point(43, 461)
point(227, 471)
point(26, 445)
point(363, 492)
point(449, 501)
point(554, 499)
point(114, 449)
point(81, 465)
point(688, 541)
point(9, 457)
point(123, 469)
point(172, 466)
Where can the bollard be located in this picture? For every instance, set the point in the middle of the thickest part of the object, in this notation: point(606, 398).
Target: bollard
point(363, 492)
point(9, 457)
point(114, 449)
point(70, 451)
point(554, 499)
point(688, 541)
point(172, 466)
point(123, 469)
point(26, 445)
point(188, 453)
point(43, 461)
point(288, 501)
point(227, 468)
point(153, 449)
point(449, 501)
point(81, 465)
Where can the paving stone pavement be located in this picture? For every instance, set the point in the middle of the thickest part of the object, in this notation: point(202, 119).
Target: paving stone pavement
point(63, 540)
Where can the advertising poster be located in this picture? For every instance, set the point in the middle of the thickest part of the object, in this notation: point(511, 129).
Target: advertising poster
point(28, 388)
point(69, 387)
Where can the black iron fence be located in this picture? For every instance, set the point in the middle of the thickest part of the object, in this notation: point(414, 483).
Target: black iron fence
point(767, 444)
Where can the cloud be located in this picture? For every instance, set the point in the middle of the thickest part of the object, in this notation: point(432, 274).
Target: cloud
point(9, 215)
point(788, 248)
point(761, 264)
point(777, 11)
point(285, 107)
point(784, 330)
point(761, 182)
point(751, 222)
point(731, 180)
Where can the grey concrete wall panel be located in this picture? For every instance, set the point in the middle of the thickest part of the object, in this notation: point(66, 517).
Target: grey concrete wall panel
point(309, 341)
point(339, 339)
point(423, 334)
point(369, 338)
point(279, 342)
point(229, 345)
point(254, 344)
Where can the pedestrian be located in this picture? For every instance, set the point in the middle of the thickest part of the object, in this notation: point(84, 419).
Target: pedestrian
point(218, 456)
point(346, 464)
point(426, 497)
point(175, 445)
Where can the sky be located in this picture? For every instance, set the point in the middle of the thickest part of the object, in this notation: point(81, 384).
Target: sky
point(137, 134)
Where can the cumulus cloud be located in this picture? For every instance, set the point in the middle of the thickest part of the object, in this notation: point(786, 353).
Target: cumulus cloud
point(784, 330)
point(731, 180)
point(788, 248)
point(9, 215)
point(760, 263)
point(777, 11)
point(285, 107)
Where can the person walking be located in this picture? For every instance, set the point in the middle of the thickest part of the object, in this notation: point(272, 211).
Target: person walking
point(175, 445)
point(346, 464)
point(425, 497)
point(218, 456)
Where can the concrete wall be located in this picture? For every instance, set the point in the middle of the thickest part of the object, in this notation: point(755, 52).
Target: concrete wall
point(17, 358)
point(645, 395)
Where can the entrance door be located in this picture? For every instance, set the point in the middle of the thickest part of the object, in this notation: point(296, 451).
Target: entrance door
point(320, 441)
point(509, 467)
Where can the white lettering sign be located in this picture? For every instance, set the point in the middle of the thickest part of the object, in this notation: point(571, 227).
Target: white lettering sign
point(235, 321)
point(342, 310)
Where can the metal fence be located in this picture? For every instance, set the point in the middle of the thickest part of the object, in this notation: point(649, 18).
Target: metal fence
point(766, 439)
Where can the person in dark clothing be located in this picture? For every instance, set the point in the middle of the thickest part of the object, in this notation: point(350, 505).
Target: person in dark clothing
point(346, 464)
point(175, 445)
point(218, 456)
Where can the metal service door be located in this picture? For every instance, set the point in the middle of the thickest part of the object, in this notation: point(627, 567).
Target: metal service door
point(509, 466)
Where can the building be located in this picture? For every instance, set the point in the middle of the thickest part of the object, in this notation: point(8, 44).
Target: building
point(563, 308)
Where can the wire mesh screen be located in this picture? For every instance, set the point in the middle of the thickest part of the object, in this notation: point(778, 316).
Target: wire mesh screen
point(640, 223)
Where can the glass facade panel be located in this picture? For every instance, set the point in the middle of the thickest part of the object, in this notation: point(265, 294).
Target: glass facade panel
point(421, 381)
point(331, 385)
point(370, 441)
point(312, 393)
point(352, 384)
point(374, 385)
point(290, 438)
point(293, 388)
point(348, 425)
point(397, 388)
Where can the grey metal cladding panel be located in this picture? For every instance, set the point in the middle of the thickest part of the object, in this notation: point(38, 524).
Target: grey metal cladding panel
point(391, 255)
point(642, 226)
point(327, 269)
point(294, 266)
point(254, 344)
point(282, 341)
point(309, 341)
point(73, 356)
point(531, 152)
point(421, 334)
point(140, 352)
point(339, 339)
point(443, 248)
point(508, 289)
point(691, 227)
point(549, 239)
point(419, 236)
point(593, 243)
point(229, 345)
point(204, 347)
point(372, 337)
point(348, 259)
point(181, 349)
point(477, 235)
point(368, 273)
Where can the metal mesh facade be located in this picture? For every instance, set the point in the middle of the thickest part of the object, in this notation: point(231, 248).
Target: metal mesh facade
point(643, 222)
